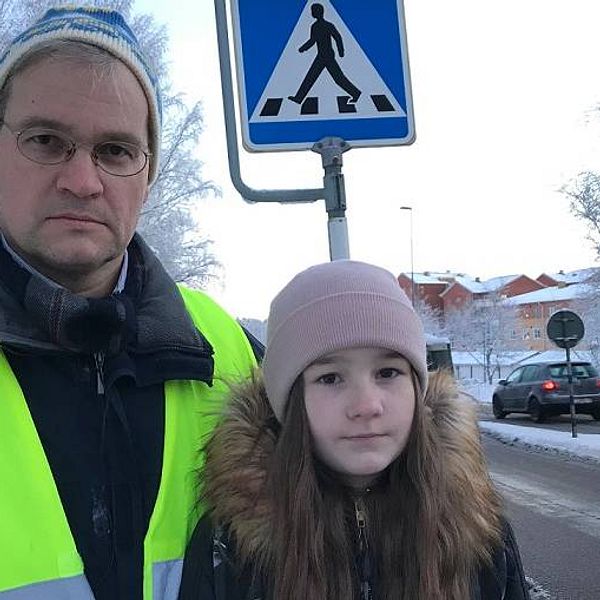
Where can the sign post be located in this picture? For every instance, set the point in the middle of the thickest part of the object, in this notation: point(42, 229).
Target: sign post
point(565, 328)
point(325, 76)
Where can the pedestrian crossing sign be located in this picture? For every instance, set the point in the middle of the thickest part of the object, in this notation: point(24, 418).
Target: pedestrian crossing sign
point(308, 69)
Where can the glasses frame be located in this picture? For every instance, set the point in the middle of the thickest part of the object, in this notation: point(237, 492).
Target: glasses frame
point(74, 146)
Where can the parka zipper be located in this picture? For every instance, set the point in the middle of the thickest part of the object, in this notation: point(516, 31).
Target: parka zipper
point(366, 592)
point(99, 364)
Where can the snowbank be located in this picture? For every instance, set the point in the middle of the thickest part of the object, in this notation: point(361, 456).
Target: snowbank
point(585, 445)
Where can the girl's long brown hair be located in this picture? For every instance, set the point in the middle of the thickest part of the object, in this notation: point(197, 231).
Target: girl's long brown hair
point(312, 545)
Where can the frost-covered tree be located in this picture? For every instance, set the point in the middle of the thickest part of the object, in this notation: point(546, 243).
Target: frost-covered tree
point(167, 221)
point(584, 195)
point(484, 326)
point(431, 317)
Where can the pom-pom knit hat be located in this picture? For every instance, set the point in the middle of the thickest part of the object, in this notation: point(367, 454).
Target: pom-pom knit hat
point(333, 306)
point(98, 27)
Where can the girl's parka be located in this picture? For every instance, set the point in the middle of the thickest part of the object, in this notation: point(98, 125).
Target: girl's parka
point(433, 527)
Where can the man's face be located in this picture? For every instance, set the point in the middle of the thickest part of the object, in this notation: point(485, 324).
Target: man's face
point(72, 220)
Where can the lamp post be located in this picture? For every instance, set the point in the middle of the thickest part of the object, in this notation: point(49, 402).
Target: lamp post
point(412, 264)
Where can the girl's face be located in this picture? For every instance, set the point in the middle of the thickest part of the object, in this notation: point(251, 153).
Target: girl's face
point(360, 404)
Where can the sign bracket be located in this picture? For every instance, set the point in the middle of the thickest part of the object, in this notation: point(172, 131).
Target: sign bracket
point(248, 194)
point(331, 150)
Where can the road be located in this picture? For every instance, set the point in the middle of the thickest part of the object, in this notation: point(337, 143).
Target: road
point(554, 505)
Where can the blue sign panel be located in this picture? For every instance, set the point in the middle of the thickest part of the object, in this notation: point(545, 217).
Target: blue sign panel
point(308, 70)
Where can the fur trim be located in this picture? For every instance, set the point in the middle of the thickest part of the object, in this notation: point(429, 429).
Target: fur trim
point(239, 449)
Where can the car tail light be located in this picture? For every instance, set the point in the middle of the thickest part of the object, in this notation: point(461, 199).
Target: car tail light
point(597, 382)
point(549, 385)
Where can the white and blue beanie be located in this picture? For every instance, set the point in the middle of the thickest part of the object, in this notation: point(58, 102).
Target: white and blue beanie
point(100, 27)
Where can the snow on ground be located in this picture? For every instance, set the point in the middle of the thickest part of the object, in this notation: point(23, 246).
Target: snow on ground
point(480, 391)
point(585, 445)
point(536, 591)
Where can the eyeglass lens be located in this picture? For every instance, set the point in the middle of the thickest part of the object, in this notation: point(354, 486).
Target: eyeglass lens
point(49, 147)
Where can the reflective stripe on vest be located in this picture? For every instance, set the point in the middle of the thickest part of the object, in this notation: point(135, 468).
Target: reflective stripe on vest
point(38, 556)
point(72, 588)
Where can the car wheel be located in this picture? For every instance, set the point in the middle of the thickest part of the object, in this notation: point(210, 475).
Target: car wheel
point(497, 408)
point(536, 412)
point(596, 415)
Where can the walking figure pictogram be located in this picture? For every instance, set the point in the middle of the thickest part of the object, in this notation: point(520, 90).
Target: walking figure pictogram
point(322, 33)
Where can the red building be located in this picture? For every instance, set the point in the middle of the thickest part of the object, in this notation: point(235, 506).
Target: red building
point(427, 286)
point(447, 291)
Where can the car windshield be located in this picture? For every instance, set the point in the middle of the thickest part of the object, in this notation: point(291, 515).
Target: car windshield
point(581, 371)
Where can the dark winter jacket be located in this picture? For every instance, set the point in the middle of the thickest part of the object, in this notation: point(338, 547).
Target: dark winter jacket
point(233, 479)
point(105, 449)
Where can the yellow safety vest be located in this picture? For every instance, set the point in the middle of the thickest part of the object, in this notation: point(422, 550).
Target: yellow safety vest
point(38, 556)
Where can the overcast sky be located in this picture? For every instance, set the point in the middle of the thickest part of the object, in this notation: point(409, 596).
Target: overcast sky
point(504, 96)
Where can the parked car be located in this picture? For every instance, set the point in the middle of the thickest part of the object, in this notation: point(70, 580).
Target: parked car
point(542, 389)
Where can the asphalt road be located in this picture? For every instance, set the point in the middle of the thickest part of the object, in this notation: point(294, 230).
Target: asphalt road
point(554, 506)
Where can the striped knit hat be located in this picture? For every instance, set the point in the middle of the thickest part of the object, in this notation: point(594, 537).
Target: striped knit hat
point(98, 27)
point(333, 306)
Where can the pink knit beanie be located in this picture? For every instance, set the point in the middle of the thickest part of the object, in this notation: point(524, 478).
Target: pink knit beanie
point(336, 305)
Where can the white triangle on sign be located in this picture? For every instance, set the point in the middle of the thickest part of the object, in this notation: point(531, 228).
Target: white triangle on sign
point(375, 100)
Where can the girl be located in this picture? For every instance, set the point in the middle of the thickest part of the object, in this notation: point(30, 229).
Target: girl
point(349, 474)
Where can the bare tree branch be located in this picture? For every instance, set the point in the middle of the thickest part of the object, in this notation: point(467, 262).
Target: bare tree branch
point(584, 194)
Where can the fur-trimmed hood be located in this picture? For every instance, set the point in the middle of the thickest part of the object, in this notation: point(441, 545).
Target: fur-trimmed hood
point(240, 446)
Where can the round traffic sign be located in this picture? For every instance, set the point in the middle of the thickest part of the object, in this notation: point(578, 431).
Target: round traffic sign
point(565, 328)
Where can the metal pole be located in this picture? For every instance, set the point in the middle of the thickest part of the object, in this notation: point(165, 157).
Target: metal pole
point(331, 150)
point(571, 396)
point(412, 264)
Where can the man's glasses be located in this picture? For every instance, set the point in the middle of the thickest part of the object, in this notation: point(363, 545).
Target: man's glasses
point(50, 147)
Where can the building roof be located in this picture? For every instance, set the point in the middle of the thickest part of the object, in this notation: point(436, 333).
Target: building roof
point(464, 358)
point(551, 294)
point(489, 286)
point(430, 277)
point(559, 356)
point(571, 277)
point(518, 358)
point(497, 283)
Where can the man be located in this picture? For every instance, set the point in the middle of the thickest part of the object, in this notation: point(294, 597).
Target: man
point(110, 374)
point(322, 33)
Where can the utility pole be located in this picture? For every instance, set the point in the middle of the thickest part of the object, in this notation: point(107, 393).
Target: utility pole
point(412, 264)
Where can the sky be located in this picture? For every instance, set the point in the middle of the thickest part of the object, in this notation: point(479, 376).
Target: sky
point(505, 97)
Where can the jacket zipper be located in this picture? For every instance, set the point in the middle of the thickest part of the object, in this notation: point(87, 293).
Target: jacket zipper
point(366, 592)
point(99, 363)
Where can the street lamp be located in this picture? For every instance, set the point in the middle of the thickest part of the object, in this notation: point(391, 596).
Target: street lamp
point(412, 264)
